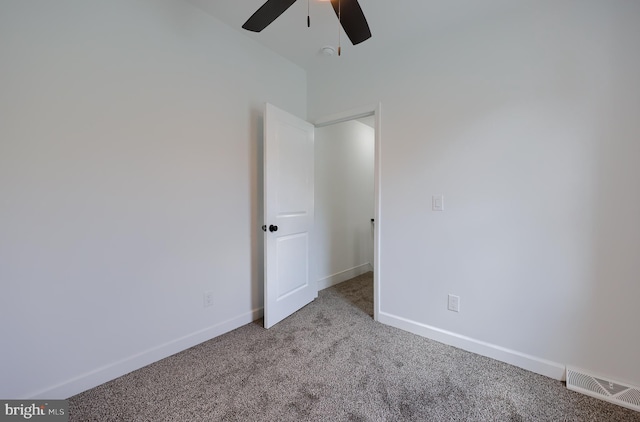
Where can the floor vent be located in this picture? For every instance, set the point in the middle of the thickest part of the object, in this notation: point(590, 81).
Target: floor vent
point(600, 388)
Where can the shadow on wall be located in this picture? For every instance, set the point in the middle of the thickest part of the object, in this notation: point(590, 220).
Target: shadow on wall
point(256, 123)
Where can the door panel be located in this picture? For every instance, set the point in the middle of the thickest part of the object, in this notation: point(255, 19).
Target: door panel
point(293, 174)
point(293, 264)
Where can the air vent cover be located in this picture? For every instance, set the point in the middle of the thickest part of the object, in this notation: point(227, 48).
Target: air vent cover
point(601, 388)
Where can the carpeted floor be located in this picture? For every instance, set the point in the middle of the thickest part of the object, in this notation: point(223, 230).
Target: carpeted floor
point(331, 362)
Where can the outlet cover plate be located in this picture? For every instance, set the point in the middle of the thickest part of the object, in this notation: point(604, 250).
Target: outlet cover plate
point(208, 299)
point(454, 303)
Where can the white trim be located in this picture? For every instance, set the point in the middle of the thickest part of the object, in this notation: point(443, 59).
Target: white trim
point(531, 363)
point(341, 276)
point(356, 113)
point(377, 189)
point(119, 368)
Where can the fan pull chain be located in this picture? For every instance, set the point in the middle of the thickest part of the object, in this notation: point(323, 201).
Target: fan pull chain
point(339, 28)
point(308, 14)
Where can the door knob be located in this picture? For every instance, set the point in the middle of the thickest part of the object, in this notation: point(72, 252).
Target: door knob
point(273, 228)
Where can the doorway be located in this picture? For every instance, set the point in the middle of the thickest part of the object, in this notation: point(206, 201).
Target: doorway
point(347, 215)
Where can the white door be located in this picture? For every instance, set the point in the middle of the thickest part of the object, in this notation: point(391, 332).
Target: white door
point(288, 214)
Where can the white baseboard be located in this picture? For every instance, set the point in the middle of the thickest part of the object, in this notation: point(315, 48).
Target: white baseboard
point(531, 363)
point(345, 275)
point(114, 370)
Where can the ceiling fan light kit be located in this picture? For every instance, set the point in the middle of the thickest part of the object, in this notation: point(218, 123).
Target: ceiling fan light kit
point(349, 13)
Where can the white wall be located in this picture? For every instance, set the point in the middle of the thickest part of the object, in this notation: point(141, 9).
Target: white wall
point(343, 234)
point(528, 124)
point(130, 157)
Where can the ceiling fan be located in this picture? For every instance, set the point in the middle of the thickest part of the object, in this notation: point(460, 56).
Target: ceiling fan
point(349, 14)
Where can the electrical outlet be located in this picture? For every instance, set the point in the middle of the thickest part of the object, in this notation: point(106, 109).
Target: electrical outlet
point(208, 299)
point(454, 303)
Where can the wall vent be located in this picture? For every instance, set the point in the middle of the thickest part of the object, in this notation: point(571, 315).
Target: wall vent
point(601, 388)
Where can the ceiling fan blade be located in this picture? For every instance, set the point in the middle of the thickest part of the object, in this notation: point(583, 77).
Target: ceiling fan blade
point(267, 13)
point(353, 21)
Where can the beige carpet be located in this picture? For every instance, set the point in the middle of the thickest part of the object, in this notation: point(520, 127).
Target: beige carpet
point(331, 362)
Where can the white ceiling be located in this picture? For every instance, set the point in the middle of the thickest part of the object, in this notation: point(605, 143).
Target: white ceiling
point(393, 25)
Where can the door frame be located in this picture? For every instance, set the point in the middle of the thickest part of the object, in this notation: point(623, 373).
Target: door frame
point(353, 114)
